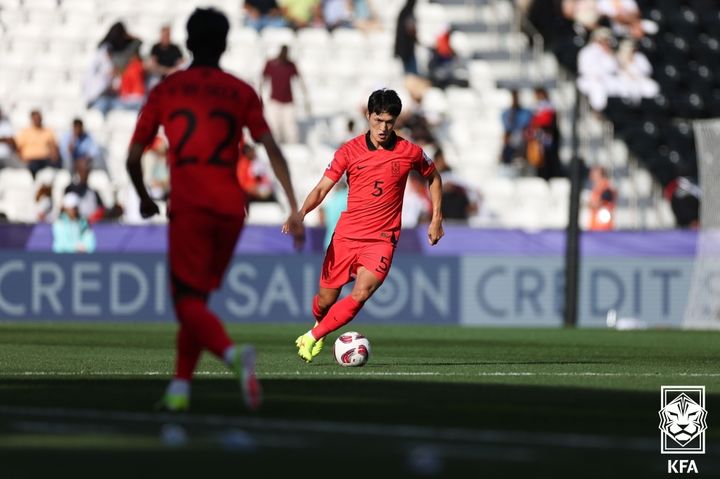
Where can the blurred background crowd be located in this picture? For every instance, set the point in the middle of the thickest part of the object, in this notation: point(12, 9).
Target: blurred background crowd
point(488, 88)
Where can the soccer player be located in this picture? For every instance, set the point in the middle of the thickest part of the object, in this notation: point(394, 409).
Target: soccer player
point(377, 165)
point(203, 111)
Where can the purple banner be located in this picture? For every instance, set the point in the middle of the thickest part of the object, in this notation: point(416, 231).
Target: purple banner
point(457, 241)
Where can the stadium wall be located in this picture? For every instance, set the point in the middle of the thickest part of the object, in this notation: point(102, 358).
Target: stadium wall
point(475, 277)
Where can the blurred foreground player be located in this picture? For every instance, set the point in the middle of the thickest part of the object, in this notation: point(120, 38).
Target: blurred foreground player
point(377, 165)
point(203, 111)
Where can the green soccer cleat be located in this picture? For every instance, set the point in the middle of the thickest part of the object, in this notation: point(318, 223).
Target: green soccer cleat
point(244, 367)
point(173, 403)
point(305, 345)
point(315, 349)
point(318, 347)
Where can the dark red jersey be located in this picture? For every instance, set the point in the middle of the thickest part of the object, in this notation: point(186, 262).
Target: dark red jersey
point(203, 111)
point(376, 180)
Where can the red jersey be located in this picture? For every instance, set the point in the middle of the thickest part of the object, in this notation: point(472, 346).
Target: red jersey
point(203, 111)
point(376, 180)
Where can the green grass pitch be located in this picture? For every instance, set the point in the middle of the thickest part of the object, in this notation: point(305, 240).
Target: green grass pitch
point(432, 401)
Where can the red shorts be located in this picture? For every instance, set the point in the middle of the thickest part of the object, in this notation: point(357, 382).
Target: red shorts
point(200, 247)
point(344, 257)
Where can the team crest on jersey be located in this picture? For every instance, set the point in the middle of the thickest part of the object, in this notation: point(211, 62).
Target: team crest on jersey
point(395, 167)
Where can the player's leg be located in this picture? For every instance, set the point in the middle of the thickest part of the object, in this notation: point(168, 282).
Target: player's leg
point(373, 265)
point(200, 249)
point(188, 351)
point(336, 272)
point(241, 361)
point(343, 311)
point(322, 302)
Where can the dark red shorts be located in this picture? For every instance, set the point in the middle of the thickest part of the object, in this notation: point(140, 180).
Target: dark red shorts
point(200, 247)
point(344, 257)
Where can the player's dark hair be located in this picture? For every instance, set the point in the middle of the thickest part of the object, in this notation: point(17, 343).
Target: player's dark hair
point(384, 101)
point(207, 30)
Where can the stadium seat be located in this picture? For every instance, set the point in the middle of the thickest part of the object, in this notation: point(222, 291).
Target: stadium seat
point(347, 42)
point(99, 181)
point(481, 76)
point(434, 104)
point(273, 38)
point(17, 194)
point(46, 176)
point(265, 213)
point(243, 38)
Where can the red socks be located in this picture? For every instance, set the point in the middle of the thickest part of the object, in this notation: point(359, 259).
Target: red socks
point(338, 316)
point(199, 329)
point(188, 354)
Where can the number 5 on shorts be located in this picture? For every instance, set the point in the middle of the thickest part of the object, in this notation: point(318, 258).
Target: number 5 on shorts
point(383, 266)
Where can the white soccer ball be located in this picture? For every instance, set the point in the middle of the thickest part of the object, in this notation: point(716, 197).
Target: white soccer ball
point(351, 349)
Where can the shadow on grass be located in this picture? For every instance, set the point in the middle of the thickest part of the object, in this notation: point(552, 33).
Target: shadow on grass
point(592, 432)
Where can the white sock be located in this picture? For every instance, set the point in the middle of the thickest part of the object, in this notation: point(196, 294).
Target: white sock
point(179, 386)
point(229, 356)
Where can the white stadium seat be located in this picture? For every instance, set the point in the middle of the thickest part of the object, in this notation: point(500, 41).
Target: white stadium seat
point(273, 38)
point(99, 181)
point(17, 194)
point(62, 180)
point(266, 213)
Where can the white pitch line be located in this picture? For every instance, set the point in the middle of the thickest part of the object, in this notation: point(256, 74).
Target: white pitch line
point(356, 373)
point(398, 431)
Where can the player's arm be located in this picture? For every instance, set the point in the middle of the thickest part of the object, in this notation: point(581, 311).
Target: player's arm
point(148, 207)
point(435, 230)
point(293, 225)
point(316, 196)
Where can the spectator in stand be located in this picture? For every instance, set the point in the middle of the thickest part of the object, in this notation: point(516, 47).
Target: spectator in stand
point(155, 169)
point(363, 16)
point(406, 38)
point(635, 73)
point(7, 142)
point(280, 110)
point(544, 135)
point(261, 14)
point(337, 14)
point(102, 81)
point(684, 196)
point(121, 45)
point(253, 176)
point(516, 121)
point(445, 65)
point(302, 13)
point(131, 93)
point(71, 232)
point(89, 205)
point(331, 209)
point(624, 17)
point(97, 83)
point(417, 207)
point(459, 198)
point(598, 69)
point(44, 203)
point(602, 201)
point(77, 144)
point(37, 145)
point(165, 57)
point(582, 12)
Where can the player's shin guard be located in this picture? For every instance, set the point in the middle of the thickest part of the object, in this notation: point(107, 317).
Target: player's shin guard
point(204, 326)
point(188, 354)
point(338, 316)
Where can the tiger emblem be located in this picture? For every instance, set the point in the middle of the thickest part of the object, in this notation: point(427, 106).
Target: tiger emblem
point(683, 419)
